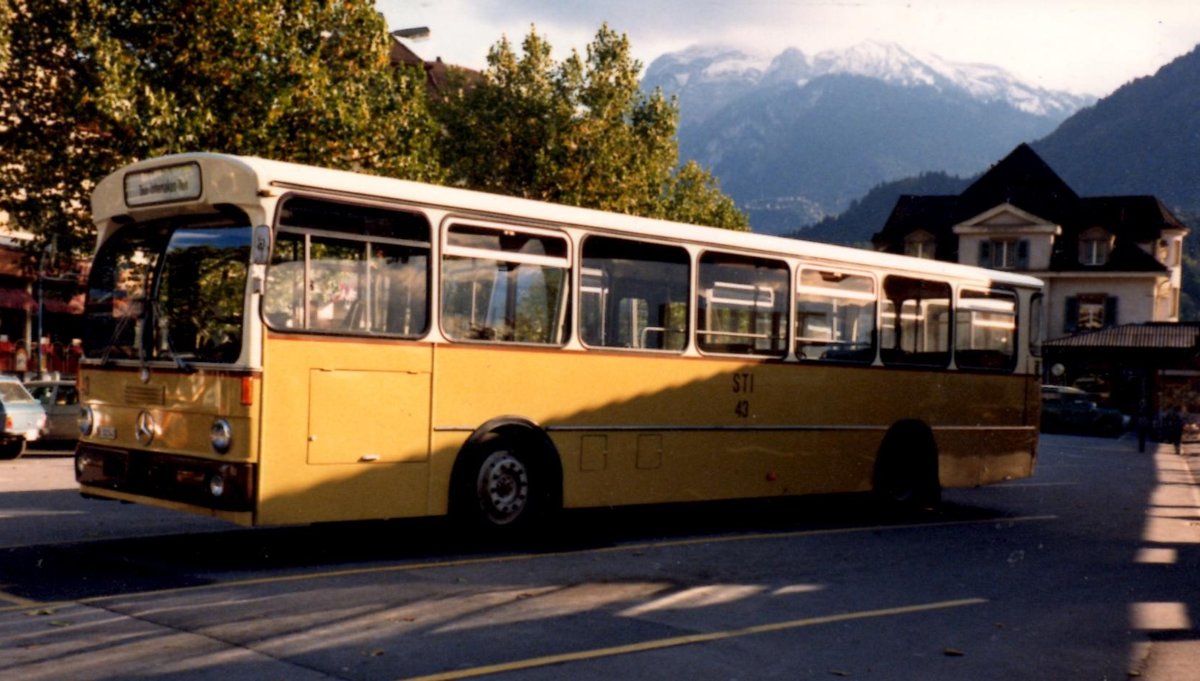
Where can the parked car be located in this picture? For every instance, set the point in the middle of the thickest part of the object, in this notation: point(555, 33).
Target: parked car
point(1071, 410)
point(60, 400)
point(24, 417)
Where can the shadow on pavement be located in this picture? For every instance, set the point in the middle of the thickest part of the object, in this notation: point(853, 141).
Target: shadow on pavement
point(71, 571)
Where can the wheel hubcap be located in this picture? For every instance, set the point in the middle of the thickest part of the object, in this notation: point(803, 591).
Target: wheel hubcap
point(503, 487)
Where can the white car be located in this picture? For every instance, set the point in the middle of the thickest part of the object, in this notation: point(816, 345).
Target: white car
point(60, 400)
point(24, 418)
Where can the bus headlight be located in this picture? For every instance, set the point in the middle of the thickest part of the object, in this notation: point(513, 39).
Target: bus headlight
point(87, 421)
point(216, 485)
point(221, 436)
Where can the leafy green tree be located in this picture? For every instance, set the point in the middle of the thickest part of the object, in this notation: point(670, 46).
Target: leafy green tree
point(300, 80)
point(5, 24)
point(580, 132)
point(51, 147)
point(94, 84)
point(692, 195)
point(498, 131)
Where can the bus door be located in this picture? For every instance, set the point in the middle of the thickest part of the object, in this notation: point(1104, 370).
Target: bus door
point(346, 377)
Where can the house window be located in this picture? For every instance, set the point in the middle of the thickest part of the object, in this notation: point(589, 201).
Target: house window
point(1166, 302)
point(1004, 254)
point(920, 244)
point(1095, 245)
point(1167, 251)
point(1089, 311)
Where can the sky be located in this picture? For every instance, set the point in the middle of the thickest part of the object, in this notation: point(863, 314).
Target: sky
point(1082, 46)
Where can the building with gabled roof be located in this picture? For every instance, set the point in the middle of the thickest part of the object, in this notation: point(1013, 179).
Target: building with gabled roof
point(439, 76)
point(1106, 261)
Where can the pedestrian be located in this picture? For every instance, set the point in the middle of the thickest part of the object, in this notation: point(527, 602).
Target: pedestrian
point(21, 362)
point(1173, 428)
point(1143, 426)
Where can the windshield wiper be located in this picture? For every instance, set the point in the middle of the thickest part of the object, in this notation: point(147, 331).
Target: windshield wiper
point(180, 362)
point(122, 324)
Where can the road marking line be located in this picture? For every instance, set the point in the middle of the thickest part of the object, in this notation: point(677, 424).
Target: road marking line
point(466, 562)
point(1022, 485)
point(692, 639)
point(17, 602)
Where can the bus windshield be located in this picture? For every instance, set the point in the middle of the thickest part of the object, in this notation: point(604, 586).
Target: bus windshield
point(171, 290)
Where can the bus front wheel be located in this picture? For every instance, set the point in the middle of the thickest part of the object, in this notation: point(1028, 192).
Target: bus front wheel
point(501, 487)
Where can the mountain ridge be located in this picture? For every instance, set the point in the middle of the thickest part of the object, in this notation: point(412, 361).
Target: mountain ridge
point(794, 138)
point(1142, 139)
point(885, 61)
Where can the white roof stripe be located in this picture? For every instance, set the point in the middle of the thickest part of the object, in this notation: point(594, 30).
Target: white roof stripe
point(223, 177)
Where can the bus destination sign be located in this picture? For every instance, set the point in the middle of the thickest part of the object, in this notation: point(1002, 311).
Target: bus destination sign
point(163, 185)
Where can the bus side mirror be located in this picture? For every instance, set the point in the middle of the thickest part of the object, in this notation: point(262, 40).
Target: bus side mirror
point(260, 249)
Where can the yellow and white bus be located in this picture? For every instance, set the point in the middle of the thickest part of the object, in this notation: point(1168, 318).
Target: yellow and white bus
point(271, 343)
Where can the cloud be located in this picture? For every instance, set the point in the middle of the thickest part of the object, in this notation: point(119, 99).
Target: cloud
point(1086, 46)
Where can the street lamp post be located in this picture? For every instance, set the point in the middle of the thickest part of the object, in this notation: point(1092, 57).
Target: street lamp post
point(48, 251)
point(415, 33)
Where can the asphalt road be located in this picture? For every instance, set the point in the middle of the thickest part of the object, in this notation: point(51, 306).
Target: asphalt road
point(1087, 571)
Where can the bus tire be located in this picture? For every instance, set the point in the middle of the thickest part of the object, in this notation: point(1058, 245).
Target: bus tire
point(12, 449)
point(504, 483)
point(906, 468)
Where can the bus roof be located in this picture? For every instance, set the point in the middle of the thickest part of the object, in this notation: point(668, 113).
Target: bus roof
point(244, 181)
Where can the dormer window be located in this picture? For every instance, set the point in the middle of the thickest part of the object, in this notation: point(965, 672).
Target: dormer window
point(1004, 254)
point(920, 244)
point(1095, 245)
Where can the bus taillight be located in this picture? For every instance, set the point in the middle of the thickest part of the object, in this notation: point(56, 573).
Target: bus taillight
point(247, 391)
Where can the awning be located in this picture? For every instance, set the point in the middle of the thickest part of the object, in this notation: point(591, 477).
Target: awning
point(57, 306)
point(1147, 335)
point(17, 299)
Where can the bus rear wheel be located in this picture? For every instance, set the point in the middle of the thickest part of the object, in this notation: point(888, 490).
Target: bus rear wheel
point(906, 469)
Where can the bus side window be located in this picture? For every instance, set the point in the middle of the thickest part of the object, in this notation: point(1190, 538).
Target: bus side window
point(283, 302)
point(986, 328)
point(397, 293)
point(350, 269)
point(916, 322)
point(634, 295)
point(742, 305)
point(593, 300)
point(835, 317)
point(335, 285)
point(504, 285)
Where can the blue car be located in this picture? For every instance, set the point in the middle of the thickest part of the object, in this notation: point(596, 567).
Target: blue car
point(24, 418)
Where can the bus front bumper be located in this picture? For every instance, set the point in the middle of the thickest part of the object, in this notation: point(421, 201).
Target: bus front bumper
point(220, 485)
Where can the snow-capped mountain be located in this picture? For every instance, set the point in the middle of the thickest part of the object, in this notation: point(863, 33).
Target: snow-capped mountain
point(818, 131)
point(894, 64)
point(736, 71)
point(708, 77)
point(1143, 139)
